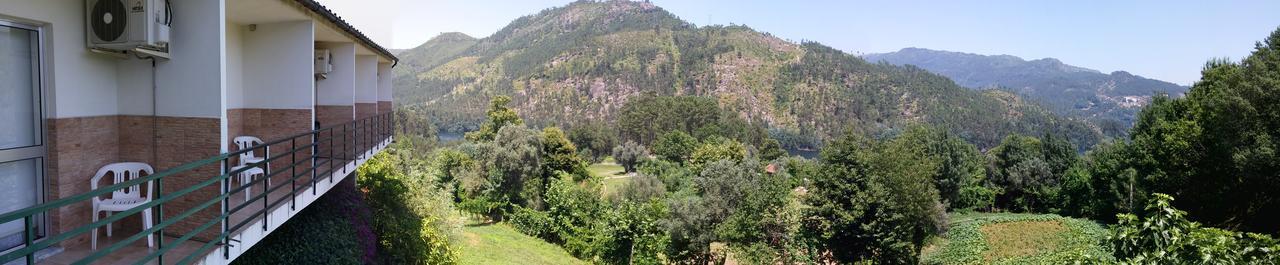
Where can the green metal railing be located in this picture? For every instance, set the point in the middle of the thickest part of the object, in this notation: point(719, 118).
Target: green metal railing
point(315, 155)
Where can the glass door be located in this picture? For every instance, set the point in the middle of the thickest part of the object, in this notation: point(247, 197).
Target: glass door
point(22, 150)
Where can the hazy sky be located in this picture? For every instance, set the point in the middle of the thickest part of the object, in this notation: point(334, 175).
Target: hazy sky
point(1167, 40)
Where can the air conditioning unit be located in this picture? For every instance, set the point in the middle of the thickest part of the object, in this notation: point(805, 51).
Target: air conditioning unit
point(323, 62)
point(122, 25)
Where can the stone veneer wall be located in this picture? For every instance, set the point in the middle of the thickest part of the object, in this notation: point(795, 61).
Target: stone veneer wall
point(384, 107)
point(181, 141)
point(78, 147)
point(334, 115)
point(329, 115)
point(365, 110)
point(270, 125)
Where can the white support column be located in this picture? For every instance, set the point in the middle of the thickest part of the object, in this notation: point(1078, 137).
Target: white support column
point(384, 87)
point(366, 85)
point(336, 94)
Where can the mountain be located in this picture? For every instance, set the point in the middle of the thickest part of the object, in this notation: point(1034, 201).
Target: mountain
point(1063, 88)
point(584, 61)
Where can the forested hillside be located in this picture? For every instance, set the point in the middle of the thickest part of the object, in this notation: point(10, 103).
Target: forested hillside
point(683, 181)
point(583, 62)
point(1110, 100)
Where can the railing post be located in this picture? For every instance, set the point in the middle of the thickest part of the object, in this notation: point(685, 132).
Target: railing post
point(226, 189)
point(159, 192)
point(293, 174)
point(29, 236)
point(266, 193)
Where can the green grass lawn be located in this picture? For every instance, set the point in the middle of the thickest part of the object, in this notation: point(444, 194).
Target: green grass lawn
point(605, 169)
point(611, 174)
point(500, 244)
point(1004, 238)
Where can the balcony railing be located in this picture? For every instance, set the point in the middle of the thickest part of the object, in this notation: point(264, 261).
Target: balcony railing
point(310, 158)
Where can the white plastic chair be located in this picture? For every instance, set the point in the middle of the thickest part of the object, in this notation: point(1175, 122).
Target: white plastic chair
point(122, 199)
point(246, 158)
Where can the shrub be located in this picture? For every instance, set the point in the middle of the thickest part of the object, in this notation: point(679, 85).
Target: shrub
point(531, 222)
point(575, 212)
point(411, 218)
point(633, 233)
point(1165, 236)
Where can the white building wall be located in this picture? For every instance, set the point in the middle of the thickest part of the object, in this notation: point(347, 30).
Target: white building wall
point(366, 79)
point(277, 66)
point(235, 66)
point(78, 82)
point(191, 84)
point(339, 88)
point(135, 91)
point(384, 81)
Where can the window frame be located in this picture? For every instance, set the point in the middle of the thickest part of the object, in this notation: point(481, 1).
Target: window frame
point(39, 148)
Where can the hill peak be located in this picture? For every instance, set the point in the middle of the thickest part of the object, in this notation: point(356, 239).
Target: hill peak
point(452, 36)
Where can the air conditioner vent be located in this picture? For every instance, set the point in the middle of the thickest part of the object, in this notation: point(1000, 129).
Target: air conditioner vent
point(108, 20)
point(124, 25)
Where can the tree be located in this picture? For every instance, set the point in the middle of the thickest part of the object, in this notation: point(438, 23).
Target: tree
point(960, 165)
point(499, 116)
point(595, 140)
point(675, 146)
point(873, 201)
point(629, 155)
point(508, 173)
point(560, 154)
point(716, 149)
point(1216, 148)
point(1027, 171)
point(641, 188)
point(771, 149)
point(1103, 184)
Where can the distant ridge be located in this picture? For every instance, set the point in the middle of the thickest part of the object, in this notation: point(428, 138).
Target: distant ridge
point(1063, 88)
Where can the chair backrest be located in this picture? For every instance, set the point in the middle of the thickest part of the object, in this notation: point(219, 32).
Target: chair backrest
point(122, 172)
point(246, 142)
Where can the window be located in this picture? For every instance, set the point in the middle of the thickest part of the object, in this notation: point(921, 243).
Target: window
point(22, 150)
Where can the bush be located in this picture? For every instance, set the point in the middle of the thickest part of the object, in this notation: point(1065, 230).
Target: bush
point(531, 222)
point(412, 219)
point(575, 212)
point(672, 175)
point(634, 233)
point(1167, 237)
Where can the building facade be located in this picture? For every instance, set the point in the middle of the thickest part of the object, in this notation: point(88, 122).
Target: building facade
point(229, 68)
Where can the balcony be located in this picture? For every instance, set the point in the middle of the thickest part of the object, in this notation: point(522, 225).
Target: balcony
point(210, 222)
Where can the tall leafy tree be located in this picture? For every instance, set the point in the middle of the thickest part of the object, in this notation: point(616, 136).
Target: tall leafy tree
point(1216, 149)
point(499, 115)
point(874, 201)
point(629, 155)
point(1027, 171)
point(595, 140)
point(675, 146)
point(960, 164)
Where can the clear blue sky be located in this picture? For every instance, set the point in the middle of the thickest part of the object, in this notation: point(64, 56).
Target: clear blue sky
point(1167, 40)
